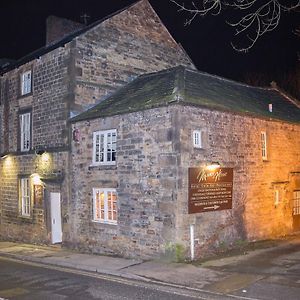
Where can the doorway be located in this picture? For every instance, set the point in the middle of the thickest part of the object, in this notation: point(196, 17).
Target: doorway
point(55, 213)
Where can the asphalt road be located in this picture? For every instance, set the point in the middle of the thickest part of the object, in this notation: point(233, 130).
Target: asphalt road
point(27, 281)
point(272, 274)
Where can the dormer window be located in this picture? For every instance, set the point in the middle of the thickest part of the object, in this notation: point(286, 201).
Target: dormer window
point(26, 83)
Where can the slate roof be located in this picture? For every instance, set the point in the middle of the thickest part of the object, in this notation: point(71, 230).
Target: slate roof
point(189, 87)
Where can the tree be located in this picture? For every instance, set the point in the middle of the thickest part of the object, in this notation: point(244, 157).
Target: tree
point(254, 17)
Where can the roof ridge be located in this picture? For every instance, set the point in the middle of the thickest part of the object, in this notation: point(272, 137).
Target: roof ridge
point(290, 98)
point(230, 80)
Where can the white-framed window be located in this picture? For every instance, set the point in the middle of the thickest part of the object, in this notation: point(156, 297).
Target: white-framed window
point(25, 198)
point(105, 205)
point(26, 83)
point(25, 131)
point(104, 147)
point(276, 197)
point(197, 139)
point(263, 137)
point(296, 206)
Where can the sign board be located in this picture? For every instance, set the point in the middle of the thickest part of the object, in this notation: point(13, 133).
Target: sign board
point(210, 190)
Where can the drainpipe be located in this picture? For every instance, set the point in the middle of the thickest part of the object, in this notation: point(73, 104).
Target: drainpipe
point(192, 241)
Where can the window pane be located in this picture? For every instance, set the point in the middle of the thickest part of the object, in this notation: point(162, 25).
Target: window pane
point(26, 83)
point(97, 206)
point(102, 200)
point(25, 131)
point(25, 196)
point(105, 146)
point(105, 205)
point(101, 147)
point(109, 156)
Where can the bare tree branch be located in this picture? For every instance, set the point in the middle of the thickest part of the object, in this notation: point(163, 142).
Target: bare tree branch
point(260, 16)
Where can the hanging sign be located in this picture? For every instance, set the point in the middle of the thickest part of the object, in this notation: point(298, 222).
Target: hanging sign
point(209, 190)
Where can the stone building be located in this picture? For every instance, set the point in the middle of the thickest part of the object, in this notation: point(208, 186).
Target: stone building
point(38, 94)
point(134, 154)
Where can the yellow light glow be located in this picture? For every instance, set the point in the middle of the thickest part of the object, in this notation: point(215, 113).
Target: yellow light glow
point(8, 161)
point(44, 163)
point(213, 166)
point(45, 157)
point(36, 179)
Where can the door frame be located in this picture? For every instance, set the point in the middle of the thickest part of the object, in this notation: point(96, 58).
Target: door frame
point(55, 217)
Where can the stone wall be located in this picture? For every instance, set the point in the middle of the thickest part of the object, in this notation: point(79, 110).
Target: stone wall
point(57, 28)
point(234, 141)
point(49, 102)
point(92, 65)
point(52, 97)
point(145, 180)
point(154, 152)
point(123, 46)
point(34, 229)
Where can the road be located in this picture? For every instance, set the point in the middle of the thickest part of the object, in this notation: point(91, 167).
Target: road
point(28, 281)
point(272, 274)
point(264, 274)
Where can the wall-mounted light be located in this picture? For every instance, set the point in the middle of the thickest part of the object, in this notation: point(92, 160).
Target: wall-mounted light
point(40, 151)
point(4, 155)
point(213, 166)
point(36, 179)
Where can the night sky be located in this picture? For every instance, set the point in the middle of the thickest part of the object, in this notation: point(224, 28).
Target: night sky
point(207, 40)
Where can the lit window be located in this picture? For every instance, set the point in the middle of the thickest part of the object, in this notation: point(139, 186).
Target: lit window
point(263, 137)
point(104, 147)
point(105, 205)
point(25, 131)
point(197, 138)
point(296, 207)
point(276, 197)
point(25, 197)
point(26, 83)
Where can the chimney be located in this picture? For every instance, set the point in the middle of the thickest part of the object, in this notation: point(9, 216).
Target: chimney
point(57, 28)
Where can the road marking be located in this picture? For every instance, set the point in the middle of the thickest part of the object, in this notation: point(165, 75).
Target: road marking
point(9, 293)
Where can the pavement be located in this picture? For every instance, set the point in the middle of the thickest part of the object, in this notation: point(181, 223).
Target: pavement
point(221, 275)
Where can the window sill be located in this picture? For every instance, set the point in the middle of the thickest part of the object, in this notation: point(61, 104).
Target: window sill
point(28, 218)
point(25, 95)
point(103, 166)
point(105, 222)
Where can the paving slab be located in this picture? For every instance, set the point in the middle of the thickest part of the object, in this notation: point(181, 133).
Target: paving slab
point(176, 273)
point(233, 282)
